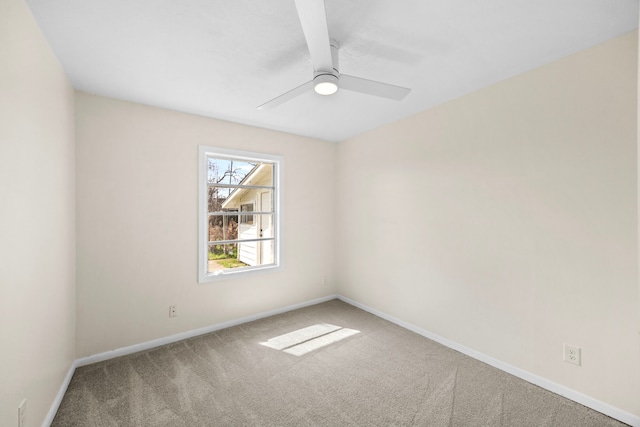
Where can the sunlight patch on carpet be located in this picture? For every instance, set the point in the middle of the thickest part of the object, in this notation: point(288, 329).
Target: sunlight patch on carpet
point(309, 339)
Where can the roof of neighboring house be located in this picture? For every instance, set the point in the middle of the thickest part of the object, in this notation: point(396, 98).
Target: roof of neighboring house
point(257, 176)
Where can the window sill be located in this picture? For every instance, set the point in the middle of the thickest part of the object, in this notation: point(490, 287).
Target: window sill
point(228, 274)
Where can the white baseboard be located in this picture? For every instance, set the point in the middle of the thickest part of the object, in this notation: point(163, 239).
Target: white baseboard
point(195, 332)
point(578, 397)
point(570, 394)
point(166, 340)
point(58, 400)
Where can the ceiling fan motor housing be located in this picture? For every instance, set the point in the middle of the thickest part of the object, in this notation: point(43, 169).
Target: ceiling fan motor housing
point(325, 82)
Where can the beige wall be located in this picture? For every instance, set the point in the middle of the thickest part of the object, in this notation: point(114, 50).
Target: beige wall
point(37, 217)
point(638, 188)
point(137, 204)
point(506, 221)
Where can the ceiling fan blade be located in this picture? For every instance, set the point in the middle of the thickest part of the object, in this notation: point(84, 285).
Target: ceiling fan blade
point(287, 96)
point(313, 18)
point(371, 87)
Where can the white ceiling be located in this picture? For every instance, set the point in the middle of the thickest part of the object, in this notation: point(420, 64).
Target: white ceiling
point(224, 58)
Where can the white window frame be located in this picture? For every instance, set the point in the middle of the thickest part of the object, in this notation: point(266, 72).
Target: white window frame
point(203, 215)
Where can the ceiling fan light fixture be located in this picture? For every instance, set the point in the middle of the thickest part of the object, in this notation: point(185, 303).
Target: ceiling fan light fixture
point(325, 84)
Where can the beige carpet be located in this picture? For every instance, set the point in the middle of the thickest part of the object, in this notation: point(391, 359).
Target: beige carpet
point(356, 370)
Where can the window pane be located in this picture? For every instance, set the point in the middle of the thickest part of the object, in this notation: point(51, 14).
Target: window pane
point(256, 253)
point(223, 227)
point(266, 252)
point(236, 172)
point(248, 229)
point(222, 257)
point(241, 254)
point(265, 201)
point(265, 225)
point(217, 197)
point(261, 174)
point(243, 227)
point(228, 171)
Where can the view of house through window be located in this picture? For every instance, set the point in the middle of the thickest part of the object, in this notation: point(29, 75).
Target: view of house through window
point(240, 224)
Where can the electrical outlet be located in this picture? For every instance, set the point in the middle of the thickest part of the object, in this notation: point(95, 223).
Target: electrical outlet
point(173, 311)
point(21, 413)
point(572, 354)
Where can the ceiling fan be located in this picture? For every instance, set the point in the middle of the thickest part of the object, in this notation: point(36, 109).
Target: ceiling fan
point(324, 57)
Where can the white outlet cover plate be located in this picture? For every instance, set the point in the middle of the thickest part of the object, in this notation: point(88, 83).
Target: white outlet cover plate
point(572, 354)
point(21, 413)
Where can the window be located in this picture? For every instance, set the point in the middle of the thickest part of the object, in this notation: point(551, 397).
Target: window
point(239, 220)
point(246, 219)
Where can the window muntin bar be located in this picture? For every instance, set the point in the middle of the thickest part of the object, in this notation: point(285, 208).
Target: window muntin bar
point(228, 242)
point(265, 187)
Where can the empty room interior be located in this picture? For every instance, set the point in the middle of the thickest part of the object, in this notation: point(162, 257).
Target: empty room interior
point(471, 186)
